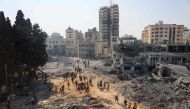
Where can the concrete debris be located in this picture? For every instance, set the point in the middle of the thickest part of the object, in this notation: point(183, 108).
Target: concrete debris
point(167, 85)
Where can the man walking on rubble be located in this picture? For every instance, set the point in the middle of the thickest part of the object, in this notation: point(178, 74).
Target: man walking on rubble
point(68, 84)
point(135, 106)
point(116, 98)
point(125, 103)
point(108, 86)
point(72, 79)
point(63, 88)
point(76, 83)
point(8, 103)
point(80, 77)
point(90, 81)
point(101, 83)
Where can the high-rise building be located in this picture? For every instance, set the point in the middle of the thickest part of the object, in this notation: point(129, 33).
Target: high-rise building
point(109, 24)
point(163, 34)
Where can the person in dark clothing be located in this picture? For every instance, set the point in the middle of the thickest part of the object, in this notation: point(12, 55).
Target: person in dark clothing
point(125, 102)
point(101, 83)
point(49, 88)
point(80, 77)
point(63, 88)
point(68, 84)
point(34, 99)
point(90, 81)
point(72, 79)
point(84, 78)
point(8, 105)
point(116, 98)
point(108, 86)
point(135, 106)
point(98, 85)
point(104, 85)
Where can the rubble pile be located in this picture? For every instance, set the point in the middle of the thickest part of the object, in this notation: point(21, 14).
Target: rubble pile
point(108, 63)
point(166, 86)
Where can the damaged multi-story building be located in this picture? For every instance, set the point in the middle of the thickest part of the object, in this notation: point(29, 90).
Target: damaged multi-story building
point(138, 57)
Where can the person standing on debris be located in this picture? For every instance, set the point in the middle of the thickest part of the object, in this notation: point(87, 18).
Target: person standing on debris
point(84, 78)
point(8, 103)
point(49, 88)
point(34, 99)
point(68, 84)
point(76, 83)
point(88, 63)
point(108, 86)
point(80, 77)
point(87, 84)
point(116, 98)
point(104, 84)
point(98, 85)
point(63, 88)
point(101, 83)
point(72, 79)
point(85, 65)
point(135, 106)
point(90, 81)
point(125, 102)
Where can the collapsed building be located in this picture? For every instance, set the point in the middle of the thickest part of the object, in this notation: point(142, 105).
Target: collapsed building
point(170, 54)
point(137, 57)
point(126, 58)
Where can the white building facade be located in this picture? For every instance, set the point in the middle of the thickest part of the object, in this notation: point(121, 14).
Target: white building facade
point(73, 38)
point(163, 34)
point(55, 44)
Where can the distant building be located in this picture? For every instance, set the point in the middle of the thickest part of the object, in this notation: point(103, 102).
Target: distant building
point(87, 48)
point(109, 27)
point(91, 46)
point(73, 38)
point(99, 46)
point(186, 37)
point(128, 39)
point(55, 44)
point(91, 34)
point(163, 34)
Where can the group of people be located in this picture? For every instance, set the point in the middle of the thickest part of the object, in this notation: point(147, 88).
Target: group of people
point(129, 106)
point(85, 63)
point(104, 85)
point(81, 83)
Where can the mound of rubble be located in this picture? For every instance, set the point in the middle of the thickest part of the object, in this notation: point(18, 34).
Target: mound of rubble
point(168, 86)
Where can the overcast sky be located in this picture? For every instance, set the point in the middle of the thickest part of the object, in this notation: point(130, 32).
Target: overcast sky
point(57, 15)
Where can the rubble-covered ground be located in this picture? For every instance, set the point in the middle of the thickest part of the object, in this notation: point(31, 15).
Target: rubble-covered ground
point(166, 87)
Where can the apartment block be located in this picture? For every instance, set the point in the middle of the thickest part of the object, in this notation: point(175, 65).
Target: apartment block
point(55, 44)
point(73, 38)
point(109, 24)
point(163, 34)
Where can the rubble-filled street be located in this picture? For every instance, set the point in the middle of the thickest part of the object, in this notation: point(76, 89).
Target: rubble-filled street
point(74, 83)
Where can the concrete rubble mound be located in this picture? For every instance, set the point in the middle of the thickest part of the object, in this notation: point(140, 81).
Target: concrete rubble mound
point(168, 86)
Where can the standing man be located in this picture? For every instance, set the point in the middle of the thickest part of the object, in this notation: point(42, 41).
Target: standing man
point(125, 103)
point(116, 98)
point(108, 87)
point(8, 103)
point(68, 84)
